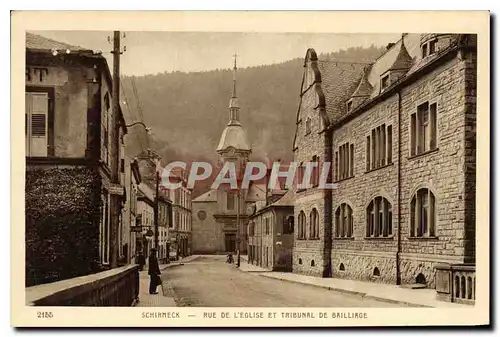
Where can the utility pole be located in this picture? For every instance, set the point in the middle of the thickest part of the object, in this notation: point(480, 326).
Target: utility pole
point(116, 139)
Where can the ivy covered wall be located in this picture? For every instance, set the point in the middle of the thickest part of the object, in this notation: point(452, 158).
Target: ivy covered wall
point(62, 223)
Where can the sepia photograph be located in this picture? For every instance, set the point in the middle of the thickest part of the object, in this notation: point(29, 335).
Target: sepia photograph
point(249, 173)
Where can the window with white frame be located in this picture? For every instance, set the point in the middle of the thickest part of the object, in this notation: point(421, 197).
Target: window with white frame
point(423, 129)
point(343, 221)
point(37, 121)
point(379, 218)
point(423, 214)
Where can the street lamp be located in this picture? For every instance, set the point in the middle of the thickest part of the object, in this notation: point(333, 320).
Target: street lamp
point(147, 128)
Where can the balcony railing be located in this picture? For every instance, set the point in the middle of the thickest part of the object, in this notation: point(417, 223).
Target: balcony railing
point(115, 287)
point(456, 283)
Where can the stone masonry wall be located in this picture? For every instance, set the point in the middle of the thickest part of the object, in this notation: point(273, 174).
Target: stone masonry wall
point(442, 170)
point(360, 190)
point(307, 250)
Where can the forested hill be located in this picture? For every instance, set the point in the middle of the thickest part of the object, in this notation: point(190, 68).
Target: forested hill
point(188, 111)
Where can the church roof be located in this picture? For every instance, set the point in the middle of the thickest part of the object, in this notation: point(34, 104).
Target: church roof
point(234, 136)
point(210, 196)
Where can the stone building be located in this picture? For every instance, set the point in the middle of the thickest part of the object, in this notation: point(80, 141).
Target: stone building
point(270, 233)
point(74, 186)
point(128, 235)
point(215, 212)
point(145, 220)
point(400, 134)
point(181, 225)
point(149, 164)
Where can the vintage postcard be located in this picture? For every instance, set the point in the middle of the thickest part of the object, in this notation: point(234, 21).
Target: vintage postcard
point(250, 169)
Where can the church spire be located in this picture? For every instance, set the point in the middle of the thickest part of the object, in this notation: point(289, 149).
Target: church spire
point(234, 108)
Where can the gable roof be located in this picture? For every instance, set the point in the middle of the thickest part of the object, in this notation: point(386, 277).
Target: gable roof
point(38, 42)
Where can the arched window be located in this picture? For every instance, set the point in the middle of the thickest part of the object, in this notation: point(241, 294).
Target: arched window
point(376, 272)
point(379, 218)
point(300, 260)
point(423, 215)
point(302, 225)
point(312, 263)
point(342, 267)
point(343, 221)
point(314, 224)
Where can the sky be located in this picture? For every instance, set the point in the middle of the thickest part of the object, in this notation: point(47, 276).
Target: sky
point(158, 52)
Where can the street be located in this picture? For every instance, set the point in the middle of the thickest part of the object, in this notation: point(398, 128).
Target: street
point(210, 282)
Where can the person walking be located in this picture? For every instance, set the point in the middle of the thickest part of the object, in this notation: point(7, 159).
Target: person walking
point(154, 272)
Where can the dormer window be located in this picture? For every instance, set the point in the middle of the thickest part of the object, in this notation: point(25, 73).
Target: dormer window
point(308, 125)
point(384, 83)
point(428, 48)
point(349, 105)
point(432, 47)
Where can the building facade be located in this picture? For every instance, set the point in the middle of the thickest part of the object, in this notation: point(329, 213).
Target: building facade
point(181, 226)
point(271, 234)
point(128, 235)
point(401, 140)
point(74, 190)
point(216, 212)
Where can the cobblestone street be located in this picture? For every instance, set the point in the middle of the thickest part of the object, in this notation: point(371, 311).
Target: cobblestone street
point(209, 281)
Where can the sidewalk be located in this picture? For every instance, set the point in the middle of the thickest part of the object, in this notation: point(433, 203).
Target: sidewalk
point(163, 298)
point(378, 291)
point(148, 300)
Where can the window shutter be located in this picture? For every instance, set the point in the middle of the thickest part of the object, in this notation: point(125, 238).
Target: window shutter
point(39, 124)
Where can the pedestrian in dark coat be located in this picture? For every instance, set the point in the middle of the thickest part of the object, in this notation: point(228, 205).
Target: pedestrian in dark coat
point(141, 261)
point(153, 271)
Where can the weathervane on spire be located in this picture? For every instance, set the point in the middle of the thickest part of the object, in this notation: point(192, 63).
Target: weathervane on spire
point(234, 75)
point(235, 56)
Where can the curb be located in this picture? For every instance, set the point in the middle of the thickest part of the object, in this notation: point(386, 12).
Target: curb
point(352, 292)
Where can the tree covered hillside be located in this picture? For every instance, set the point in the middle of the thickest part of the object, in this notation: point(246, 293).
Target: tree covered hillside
point(188, 111)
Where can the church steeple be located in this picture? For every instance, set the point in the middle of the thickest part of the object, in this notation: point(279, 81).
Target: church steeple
point(234, 108)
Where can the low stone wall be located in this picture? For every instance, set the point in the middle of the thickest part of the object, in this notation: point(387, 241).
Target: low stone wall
point(115, 287)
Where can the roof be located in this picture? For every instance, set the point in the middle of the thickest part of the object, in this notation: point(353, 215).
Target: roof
point(235, 136)
point(38, 42)
point(210, 196)
point(388, 59)
point(364, 87)
point(287, 200)
point(403, 61)
point(338, 82)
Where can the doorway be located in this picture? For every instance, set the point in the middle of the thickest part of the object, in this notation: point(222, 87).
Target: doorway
point(230, 242)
